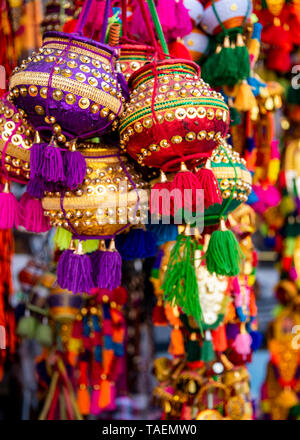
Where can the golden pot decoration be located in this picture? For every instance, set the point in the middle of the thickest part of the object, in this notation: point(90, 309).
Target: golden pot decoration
point(19, 134)
point(106, 201)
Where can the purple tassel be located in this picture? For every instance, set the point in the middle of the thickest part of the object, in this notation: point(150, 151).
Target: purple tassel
point(37, 154)
point(123, 84)
point(110, 269)
point(75, 168)
point(36, 187)
point(62, 268)
point(75, 271)
point(53, 166)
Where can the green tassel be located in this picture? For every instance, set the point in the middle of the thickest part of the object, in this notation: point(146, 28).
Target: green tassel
point(223, 255)
point(62, 238)
point(89, 245)
point(207, 349)
point(180, 284)
point(27, 326)
point(193, 351)
point(235, 117)
point(243, 63)
point(44, 334)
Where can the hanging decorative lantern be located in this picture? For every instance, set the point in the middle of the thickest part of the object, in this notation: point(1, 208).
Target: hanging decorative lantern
point(234, 181)
point(69, 87)
point(186, 119)
point(225, 22)
point(102, 207)
point(95, 207)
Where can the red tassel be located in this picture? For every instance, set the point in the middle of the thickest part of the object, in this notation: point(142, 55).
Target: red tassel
point(160, 197)
point(209, 183)
point(219, 338)
point(185, 180)
point(158, 314)
point(178, 50)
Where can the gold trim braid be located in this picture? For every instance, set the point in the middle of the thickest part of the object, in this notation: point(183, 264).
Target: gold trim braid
point(67, 85)
point(48, 43)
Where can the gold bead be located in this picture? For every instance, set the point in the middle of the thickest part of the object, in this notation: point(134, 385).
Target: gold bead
point(191, 136)
point(57, 95)
point(39, 110)
point(70, 98)
point(95, 108)
point(84, 103)
point(32, 90)
point(176, 139)
point(43, 92)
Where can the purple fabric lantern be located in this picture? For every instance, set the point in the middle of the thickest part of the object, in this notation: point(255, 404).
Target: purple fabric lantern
point(69, 88)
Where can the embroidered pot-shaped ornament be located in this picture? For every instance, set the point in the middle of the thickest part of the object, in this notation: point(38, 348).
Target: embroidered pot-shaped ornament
point(69, 86)
point(172, 115)
point(229, 61)
point(223, 255)
point(234, 182)
point(16, 138)
point(105, 201)
point(197, 43)
point(63, 305)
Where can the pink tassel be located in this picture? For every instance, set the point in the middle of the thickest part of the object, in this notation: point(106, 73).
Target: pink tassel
point(242, 342)
point(188, 184)
point(31, 216)
point(209, 183)
point(8, 208)
point(2, 338)
point(94, 408)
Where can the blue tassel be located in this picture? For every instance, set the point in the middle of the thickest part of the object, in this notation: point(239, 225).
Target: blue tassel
point(250, 144)
point(137, 243)
point(252, 198)
point(118, 349)
point(98, 353)
point(163, 233)
point(257, 339)
point(108, 343)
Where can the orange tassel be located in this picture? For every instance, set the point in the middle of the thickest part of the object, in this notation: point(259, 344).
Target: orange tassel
point(245, 99)
point(176, 347)
point(83, 400)
point(105, 395)
point(252, 304)
point(219, 338)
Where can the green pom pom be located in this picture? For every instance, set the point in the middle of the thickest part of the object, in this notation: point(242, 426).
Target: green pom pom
point(44, 335)
point(207, 350)
point(62, 238)
point(180, 284)
point(223, 255)
point(26, 327)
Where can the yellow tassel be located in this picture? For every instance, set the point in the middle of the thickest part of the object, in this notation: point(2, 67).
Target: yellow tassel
point(245, 99)
point(273, 170)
